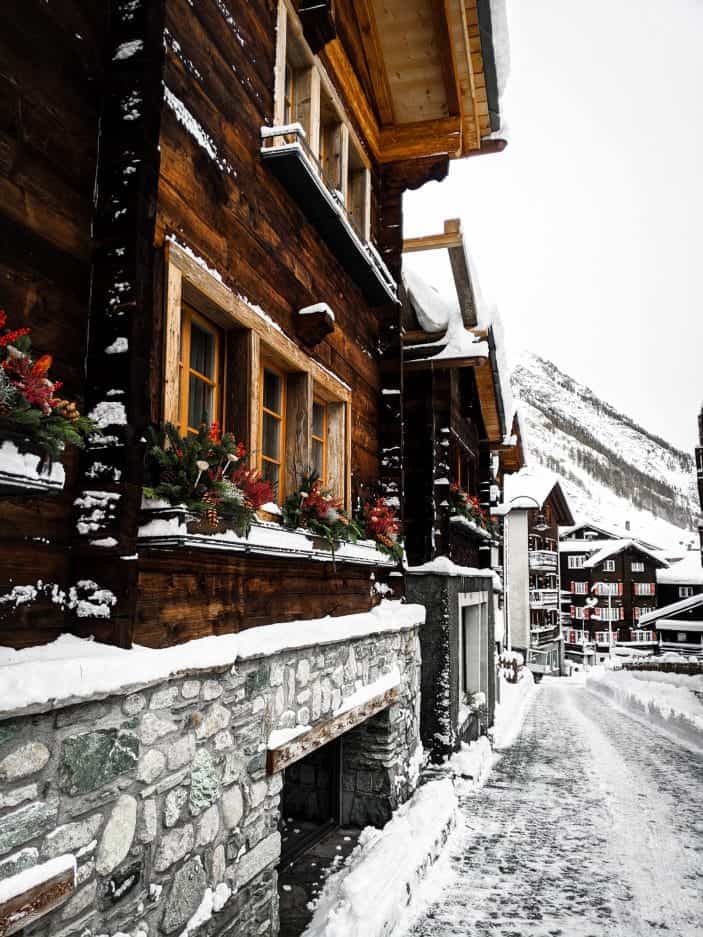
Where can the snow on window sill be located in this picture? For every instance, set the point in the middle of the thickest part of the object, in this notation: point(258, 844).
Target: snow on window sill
point(20, 472)
point(167, 526)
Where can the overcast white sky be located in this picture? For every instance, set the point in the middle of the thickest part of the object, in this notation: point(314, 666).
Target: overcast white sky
point(586, 230)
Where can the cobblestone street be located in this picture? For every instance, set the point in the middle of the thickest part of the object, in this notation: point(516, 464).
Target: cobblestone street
point(590, 824)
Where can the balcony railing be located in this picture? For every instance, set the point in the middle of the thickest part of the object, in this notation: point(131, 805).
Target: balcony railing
point(287, 153)
point(544, 598)
point(543, 560)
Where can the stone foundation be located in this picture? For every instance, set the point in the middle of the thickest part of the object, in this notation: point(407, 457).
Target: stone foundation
point(162, 793)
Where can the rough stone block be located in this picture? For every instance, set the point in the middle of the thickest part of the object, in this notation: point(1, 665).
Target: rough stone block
point(18, 796)
point(23, 761)
point(187, 890)
point(174, 846)
point(25, 823)
point(211, 690)
point(151, 766)
point(181, 751)
point(215, 719)
point(118, 835)
point(190, 689)
point(22, 860)
point(252, 863)
point(71, 836)
point(164, 698)
point(204, 782)
point(154, 727)
point(89, 761)
point(232, 807)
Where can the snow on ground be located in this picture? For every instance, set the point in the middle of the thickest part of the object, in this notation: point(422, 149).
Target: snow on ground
point(368, 896)
point(665, 700)
point(76, 668)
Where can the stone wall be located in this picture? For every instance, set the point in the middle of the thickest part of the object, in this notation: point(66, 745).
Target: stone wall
point(445, 721)
point(162, 793)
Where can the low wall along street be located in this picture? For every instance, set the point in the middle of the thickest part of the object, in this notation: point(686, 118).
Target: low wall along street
point(166, 795)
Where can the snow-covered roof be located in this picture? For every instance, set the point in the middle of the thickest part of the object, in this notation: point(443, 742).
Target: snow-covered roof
point(685, 605)
point(583, 546)
point(687, 571)
point(587, 525)
point(433, 310)
point(531, 484)
point(614, 547)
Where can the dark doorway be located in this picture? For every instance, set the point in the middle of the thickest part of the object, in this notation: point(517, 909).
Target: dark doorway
point(310, 800)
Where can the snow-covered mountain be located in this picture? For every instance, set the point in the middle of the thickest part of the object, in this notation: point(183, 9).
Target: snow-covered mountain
point(614, 471)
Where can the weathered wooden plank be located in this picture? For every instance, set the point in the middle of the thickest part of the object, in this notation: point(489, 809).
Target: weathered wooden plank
point(35, 902)
point(279, 758)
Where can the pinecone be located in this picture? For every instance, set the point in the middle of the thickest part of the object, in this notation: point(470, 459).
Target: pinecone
point(211, 516)
point(67, 409)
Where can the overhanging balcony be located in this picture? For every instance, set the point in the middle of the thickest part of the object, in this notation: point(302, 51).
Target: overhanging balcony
point(543, 561)
point(544, 598)
point(286, 152)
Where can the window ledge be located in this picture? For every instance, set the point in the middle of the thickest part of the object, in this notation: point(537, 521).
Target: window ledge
point(165, 526)
point(295, 168)
point(20, 472)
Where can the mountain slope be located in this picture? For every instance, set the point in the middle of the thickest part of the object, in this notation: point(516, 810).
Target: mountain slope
point(614, 471)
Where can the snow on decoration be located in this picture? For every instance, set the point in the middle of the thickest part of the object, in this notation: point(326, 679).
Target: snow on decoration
point(29, 405)
point(86, 598)
point(378, 520)
point(127, 49)
point(464, 505)
point(207, 473)
point(109, 413)
point(315, 508)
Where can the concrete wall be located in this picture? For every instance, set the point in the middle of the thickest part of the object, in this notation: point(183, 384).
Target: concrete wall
point(164, 797)
point(444, 720)
point(517, 574)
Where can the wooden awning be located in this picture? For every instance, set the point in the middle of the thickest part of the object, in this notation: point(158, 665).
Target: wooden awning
point(416, 76)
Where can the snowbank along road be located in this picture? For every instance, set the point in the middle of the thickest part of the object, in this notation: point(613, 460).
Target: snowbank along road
point(591, 824)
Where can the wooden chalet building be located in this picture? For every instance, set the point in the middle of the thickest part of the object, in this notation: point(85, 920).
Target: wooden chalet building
point(458, 410)
point(680, 580)
point(201, 219)
point(621, 573)
point(678, 627)
point(534, 507)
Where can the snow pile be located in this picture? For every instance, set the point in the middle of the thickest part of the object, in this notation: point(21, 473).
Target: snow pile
point(443, 566)
point(26, 465)
point(76, 668)
point(369, 895)
point(666, 701)
point(473, 761)
point(515, 699)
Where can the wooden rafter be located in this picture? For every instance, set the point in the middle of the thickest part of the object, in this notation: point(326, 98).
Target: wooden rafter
point(375, 61)
point(440, 21)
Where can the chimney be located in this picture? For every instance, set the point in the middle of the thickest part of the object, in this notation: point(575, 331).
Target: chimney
point(627, 526)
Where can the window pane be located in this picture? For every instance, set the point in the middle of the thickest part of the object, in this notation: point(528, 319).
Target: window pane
point(270, 472)
point(200, 408)
point(202, 350)
point(272, 437)
point(317, 458)
point(272, 391)
point(318, 420)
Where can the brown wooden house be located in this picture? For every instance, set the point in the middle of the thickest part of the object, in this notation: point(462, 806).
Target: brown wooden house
point(201, 216)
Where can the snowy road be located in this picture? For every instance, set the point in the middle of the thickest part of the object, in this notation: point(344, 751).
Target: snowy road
point(590, 825)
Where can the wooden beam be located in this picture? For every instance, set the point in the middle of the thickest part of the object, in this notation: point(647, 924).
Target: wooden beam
point(422, 138)
point(431, 242)
point(33, 903)
point(319, 735)
point(172, 344)
point(374, 59)
point(354, 98)
point(445, 46)
point(279, 81)
point(439, 364)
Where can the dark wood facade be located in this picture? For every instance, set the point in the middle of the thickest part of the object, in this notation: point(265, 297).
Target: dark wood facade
point(172, 98)
point(629, 574)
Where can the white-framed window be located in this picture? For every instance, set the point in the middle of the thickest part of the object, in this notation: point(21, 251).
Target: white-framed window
point(576, 562)
point(645, 588)
point(685, 592)
point(639, 610)
point(608, 588)
point(608, 566)
point(579, 588)
point(681, 637)
point(637, 566)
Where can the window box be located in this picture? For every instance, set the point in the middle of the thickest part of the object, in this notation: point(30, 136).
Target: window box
point(289, 157)
point(22, 470)
point(164, 526)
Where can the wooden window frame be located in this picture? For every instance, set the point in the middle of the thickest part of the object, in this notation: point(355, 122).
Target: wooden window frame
point(267, 365)
point(188, 316)
point(250, 338)
point(317, 401)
